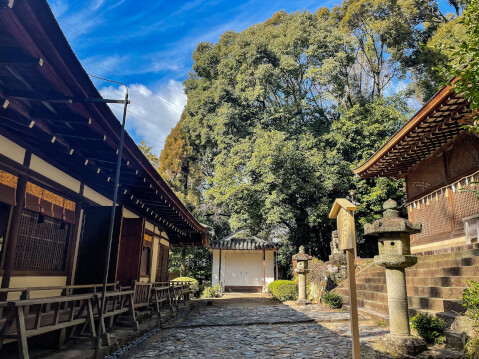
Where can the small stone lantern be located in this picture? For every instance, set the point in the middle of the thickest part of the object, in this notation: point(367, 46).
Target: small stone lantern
point(395, 255)
point(301, 269)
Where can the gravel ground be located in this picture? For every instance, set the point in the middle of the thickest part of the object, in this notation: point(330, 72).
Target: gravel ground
point(260, 331)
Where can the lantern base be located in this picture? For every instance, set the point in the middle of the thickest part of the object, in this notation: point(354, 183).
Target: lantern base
point(397, 345)
point(303, 302)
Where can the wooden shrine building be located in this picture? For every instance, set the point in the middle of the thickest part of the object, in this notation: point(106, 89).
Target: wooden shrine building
point(439, 161)
point(58, 148)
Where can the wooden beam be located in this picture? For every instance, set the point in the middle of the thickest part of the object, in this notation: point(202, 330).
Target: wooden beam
point(74, 238)
point(11, 56)
point(6, 4)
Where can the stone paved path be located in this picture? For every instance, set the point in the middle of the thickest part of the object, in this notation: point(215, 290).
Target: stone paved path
point(261, 331)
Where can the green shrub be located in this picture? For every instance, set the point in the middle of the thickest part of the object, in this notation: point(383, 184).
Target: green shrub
point(470, 299)
point(283, 290)
point(193, 282)
point(430, 328)
point(332, 300)
point(211, 292)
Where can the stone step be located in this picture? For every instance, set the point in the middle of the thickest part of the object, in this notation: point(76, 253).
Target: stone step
point(436, 292)
point(369, 305)
point(435, 304)
point(440, 281)
point(467, 251)
point(443, 272)
point(381, 288)
point(373, 280)
point(455, 340)
point(465, 262)
point(377, 274)
point(372, 315)
point(365, 294)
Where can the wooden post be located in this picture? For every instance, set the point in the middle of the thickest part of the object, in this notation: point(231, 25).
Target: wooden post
point(353, 303)
point(343, 211)
point(74, 239)
point(264, 270)
point(276, 264)
point(219, 272)
point(13, 234)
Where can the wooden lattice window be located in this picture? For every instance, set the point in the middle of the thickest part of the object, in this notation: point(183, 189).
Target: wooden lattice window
point(41, 246)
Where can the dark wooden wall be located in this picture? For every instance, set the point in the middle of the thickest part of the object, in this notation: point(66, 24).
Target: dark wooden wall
point(131, 243)
point(93, 245)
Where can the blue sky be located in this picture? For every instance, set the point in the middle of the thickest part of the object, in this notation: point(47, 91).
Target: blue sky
point(148, 45)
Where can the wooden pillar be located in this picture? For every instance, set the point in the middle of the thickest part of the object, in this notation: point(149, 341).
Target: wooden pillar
point(276, 264)
point(13, 234)
point(264, 269)
point(219, 272)
point(74, 239)
point(353, 303)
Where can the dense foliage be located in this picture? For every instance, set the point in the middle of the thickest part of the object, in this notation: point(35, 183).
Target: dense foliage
point(466, 61)
point(211, 292)
point(279, 114)
point(430, 328)
point(470, 300)
point(283, 290)
point(197, 263)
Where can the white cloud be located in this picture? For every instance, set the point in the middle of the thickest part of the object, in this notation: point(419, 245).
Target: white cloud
point(151, 114)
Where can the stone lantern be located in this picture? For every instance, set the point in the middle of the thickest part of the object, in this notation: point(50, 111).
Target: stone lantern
point(301, 259)
point(395, 255)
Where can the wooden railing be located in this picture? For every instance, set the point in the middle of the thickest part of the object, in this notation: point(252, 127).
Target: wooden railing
point(32, 317)
point(79, 307)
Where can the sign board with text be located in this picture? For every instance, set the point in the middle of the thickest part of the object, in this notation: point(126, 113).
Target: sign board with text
point(343, 212)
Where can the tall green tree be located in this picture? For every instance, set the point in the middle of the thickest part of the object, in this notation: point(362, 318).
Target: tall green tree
point(279, 114)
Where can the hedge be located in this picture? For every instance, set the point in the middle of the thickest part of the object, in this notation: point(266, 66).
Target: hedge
point(283, 290)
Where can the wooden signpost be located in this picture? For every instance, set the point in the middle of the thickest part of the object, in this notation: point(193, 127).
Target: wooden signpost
point(343, 212)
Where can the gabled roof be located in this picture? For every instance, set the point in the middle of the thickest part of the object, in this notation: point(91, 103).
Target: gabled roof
point(437, 123)
point(238, 241)
point(47, 106)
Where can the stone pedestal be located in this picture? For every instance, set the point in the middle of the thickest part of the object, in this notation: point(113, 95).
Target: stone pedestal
point(395, 255)
point(301, 270)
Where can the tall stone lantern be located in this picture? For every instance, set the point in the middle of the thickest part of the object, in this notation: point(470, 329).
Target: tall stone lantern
point(393, 234)
point(302, 259)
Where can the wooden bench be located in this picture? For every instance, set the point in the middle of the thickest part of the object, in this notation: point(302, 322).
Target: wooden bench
point(161, 293)
point(142, 292)
point(31, 317)
point(117, 304)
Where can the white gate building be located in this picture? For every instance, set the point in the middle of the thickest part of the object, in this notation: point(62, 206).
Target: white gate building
point(243, 264)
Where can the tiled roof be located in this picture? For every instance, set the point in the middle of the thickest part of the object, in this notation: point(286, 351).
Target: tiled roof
point(238, 241)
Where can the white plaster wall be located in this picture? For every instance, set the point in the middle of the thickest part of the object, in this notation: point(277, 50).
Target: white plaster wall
point(129, 214)
point(37, 281)
point(44, 168)
point(96, 197)
point(251, 262)
point(149, 226)
point(164, 242)
point(269, 267)
point(11, 150)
